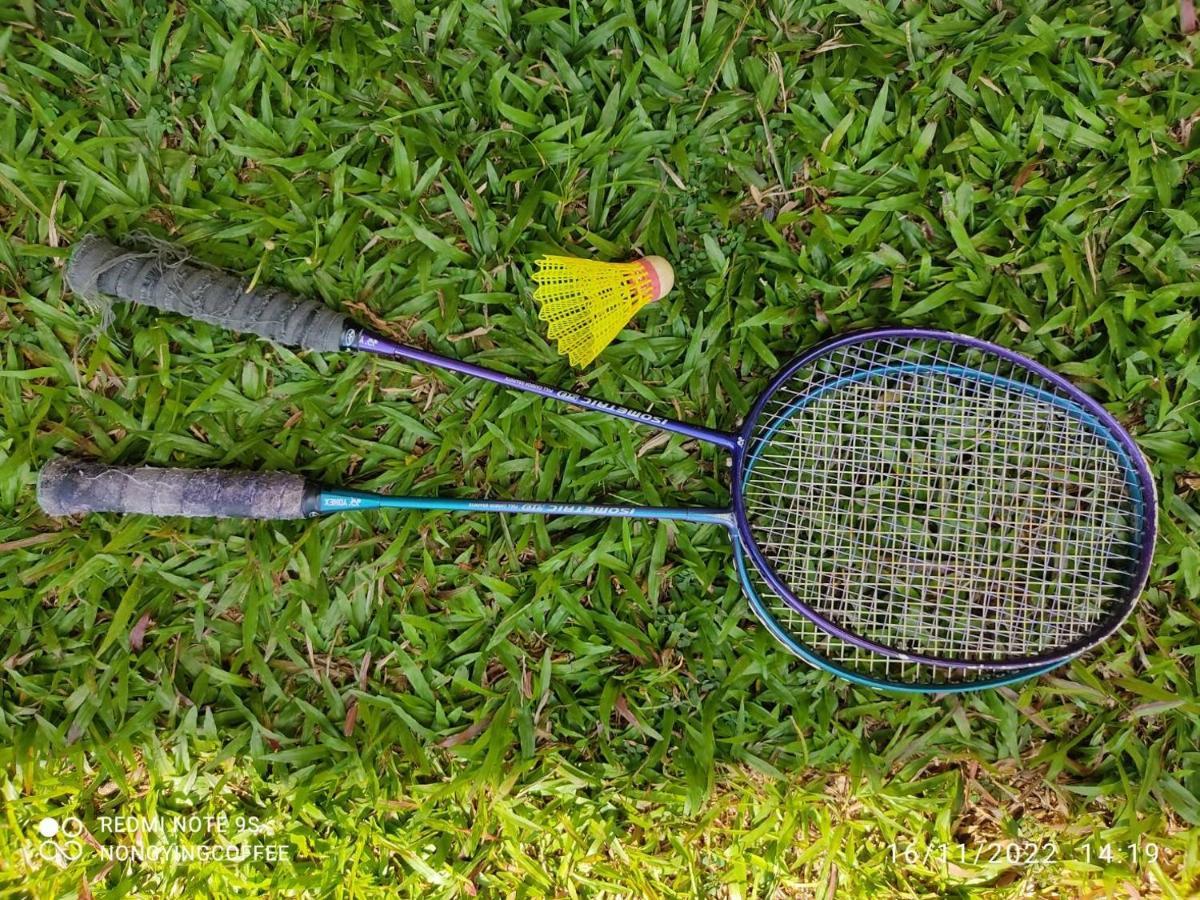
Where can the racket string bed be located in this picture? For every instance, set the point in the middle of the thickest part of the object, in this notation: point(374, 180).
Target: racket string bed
point(919, 494)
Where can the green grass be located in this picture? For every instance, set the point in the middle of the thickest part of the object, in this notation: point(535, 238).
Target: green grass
point(450, 706)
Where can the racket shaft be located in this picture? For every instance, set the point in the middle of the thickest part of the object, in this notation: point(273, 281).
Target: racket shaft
point(371, 343)
point(333, 500)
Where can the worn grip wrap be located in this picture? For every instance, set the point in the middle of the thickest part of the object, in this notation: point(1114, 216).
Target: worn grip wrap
point(68, 486)
point(153, 278)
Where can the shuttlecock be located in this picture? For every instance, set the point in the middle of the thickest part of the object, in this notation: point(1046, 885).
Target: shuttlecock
point(586, 303)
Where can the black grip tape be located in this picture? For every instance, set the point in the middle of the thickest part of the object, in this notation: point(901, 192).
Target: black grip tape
point(98, 267)
point(68, 487)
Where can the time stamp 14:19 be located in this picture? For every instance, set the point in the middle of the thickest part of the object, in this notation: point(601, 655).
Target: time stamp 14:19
point(1025, 853)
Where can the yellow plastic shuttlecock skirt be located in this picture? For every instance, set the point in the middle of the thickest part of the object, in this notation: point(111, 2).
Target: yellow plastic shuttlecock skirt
point(587, 303)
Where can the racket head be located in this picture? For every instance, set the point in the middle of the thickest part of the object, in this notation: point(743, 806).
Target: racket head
point(943, 500)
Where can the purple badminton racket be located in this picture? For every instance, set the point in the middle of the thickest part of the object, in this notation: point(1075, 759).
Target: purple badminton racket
point(926, 496)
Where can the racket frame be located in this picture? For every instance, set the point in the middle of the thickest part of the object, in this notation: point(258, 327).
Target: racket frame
point(1111, 429)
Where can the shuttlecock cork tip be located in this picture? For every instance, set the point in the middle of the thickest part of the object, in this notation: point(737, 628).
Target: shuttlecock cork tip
point(661, 274)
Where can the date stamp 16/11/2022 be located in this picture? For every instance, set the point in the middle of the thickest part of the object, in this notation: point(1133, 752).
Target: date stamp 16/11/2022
point(1017, 854)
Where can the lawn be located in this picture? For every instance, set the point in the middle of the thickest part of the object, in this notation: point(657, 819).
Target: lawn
point(434, 705)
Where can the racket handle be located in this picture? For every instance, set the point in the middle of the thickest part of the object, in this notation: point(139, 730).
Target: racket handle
point(69, 487)
point(98, 267)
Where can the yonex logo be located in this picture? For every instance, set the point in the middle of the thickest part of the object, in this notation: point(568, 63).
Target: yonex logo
point(330, 501)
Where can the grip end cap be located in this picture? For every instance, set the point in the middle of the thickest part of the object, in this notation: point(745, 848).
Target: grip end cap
point(56, 485)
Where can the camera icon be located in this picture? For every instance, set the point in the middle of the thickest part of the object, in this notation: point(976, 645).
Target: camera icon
point(61, 844)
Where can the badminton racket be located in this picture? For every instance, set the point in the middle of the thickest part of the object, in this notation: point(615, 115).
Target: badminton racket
point(72, 487)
